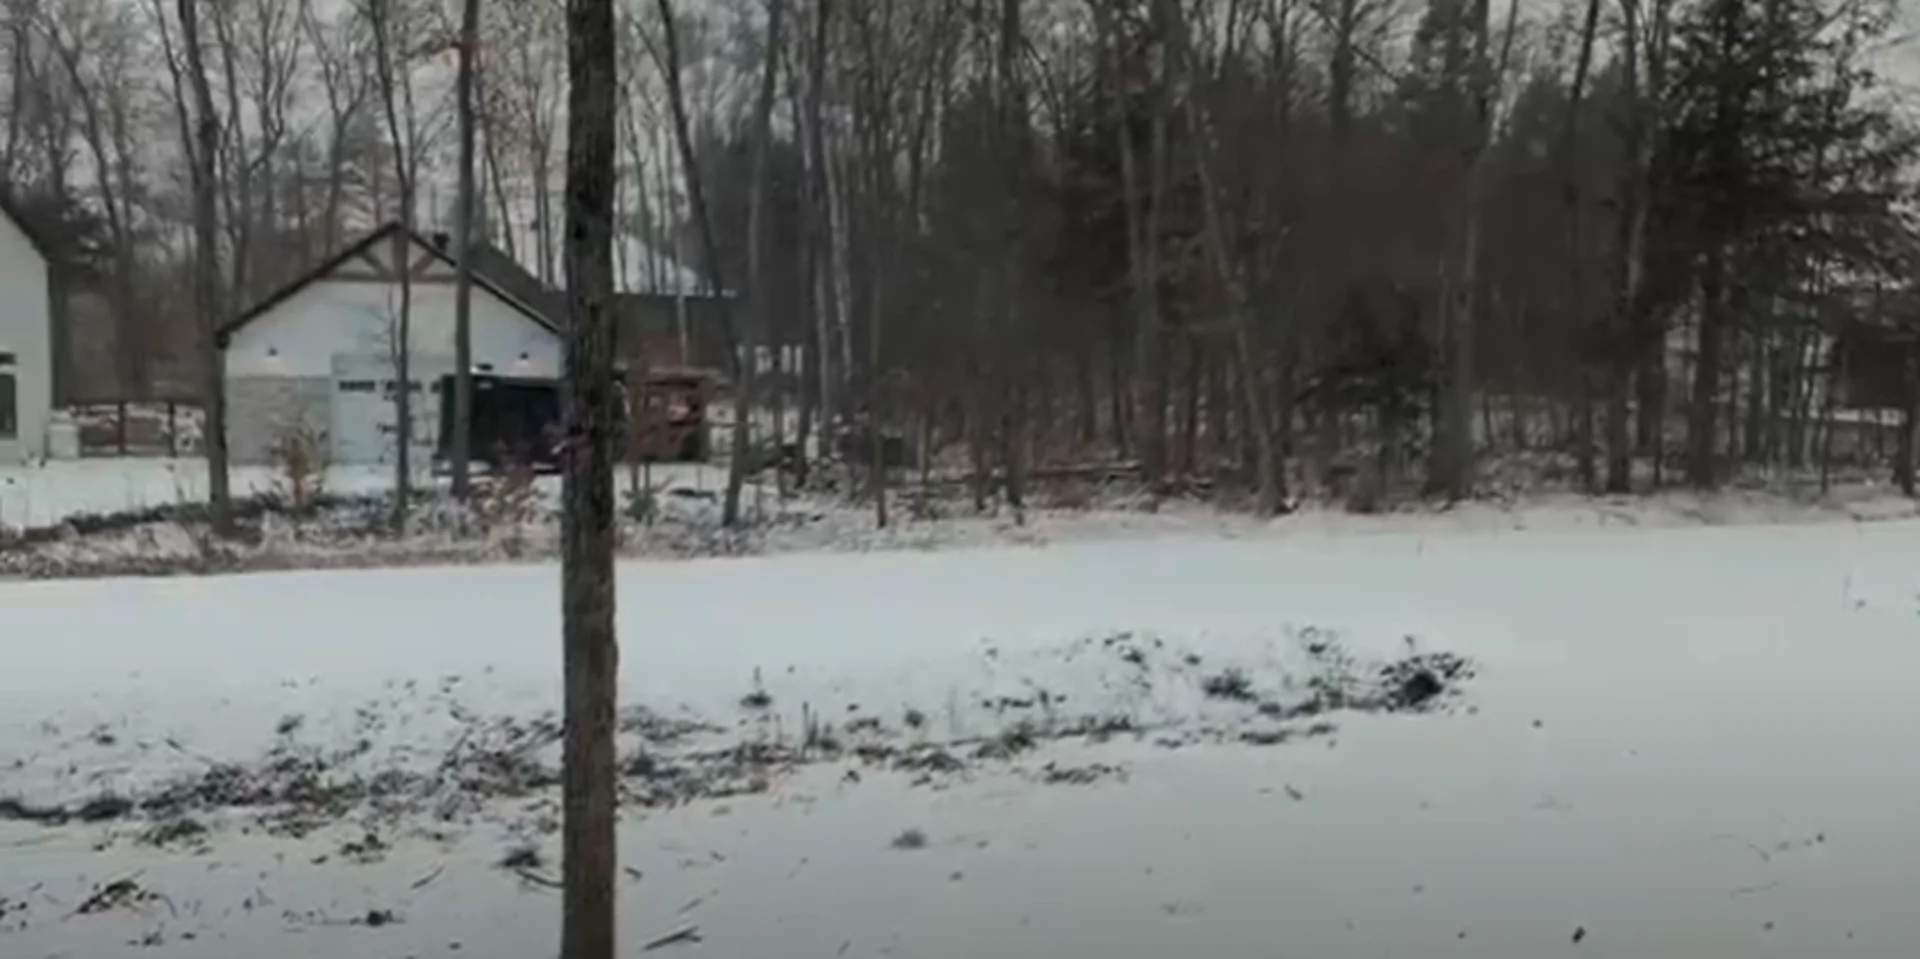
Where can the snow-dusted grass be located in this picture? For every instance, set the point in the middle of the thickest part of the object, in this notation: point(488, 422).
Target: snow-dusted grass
point(44, 494)
point(1684, 742)
point(688, 514)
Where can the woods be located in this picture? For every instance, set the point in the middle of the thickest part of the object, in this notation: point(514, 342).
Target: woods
point(1267, 248)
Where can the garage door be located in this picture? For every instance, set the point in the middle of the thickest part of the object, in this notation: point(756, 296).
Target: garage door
point(363, 413)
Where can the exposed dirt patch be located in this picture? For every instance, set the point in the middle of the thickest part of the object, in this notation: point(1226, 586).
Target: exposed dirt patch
point(504, 769)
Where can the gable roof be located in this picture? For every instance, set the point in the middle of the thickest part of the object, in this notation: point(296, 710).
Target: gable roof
point(481, 278)
point(507, 271)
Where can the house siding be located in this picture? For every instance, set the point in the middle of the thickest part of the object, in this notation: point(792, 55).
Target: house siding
point(263, 410)
point(26, 333)
point(300, 341)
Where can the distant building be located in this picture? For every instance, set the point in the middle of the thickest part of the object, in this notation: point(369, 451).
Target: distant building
point(319, 354)
point(26, 339)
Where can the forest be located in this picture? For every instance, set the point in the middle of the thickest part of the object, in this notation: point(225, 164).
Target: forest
point(1282, 248)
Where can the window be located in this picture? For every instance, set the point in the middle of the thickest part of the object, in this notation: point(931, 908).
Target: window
point(9, 397)
point(356, 386)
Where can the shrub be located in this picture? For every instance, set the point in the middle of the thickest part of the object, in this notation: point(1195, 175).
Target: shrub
point(301, 457)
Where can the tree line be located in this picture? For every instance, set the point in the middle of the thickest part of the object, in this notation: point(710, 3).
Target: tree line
point(1281, 246)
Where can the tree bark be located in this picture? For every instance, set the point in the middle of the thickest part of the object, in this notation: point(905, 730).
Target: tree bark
point(701, 214)
point(461, 450)
point(759, 278)
point(1703, 425)
point(206, 270)
point(589, 522)
point(381, 14)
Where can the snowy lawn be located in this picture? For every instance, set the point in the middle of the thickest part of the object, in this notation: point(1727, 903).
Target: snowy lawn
point(131, 529)
point(1670, 743)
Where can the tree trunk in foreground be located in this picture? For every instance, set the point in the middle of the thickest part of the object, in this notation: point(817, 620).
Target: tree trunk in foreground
point(206, 271)
point(464, 240)
point(589, 523)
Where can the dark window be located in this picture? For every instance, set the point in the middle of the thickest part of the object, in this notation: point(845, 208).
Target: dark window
point(8, 359)
point(9, 406)
point(356, 386)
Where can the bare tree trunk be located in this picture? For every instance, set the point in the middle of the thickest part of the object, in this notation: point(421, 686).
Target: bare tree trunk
point(382, 27)
point(1576, 236)
point(1012, 132)
point(758, 276)
point(589, 521)
point(1455, 455)
point(702, 216)
point(1703, 424)
point(206, 270)
point(1903, 464)
point(820, 219)
point(464, 241)
point(1142, 207)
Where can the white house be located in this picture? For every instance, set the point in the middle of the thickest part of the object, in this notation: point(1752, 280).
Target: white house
point(26, 340)
point(320, 353)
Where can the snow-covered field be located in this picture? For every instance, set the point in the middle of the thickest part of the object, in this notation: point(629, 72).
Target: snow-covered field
point(1669, 742)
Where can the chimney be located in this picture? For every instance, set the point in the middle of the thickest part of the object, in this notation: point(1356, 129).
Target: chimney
point(441, 241)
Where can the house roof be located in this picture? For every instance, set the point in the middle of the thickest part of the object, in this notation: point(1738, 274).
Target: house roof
point(507, 271)
point(517, 280)
point(483, 277)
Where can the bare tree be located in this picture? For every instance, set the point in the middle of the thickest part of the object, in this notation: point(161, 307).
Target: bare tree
point(96, 54)
point(759, 288)
point(589, 519)
point(380, 16)
point(464, 240)
point(346, 81)
point(202, 152)
point(668, 56)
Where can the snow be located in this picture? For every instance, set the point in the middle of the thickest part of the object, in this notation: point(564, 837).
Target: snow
point(1678, 742)
point(47, 493)
point(44, 494)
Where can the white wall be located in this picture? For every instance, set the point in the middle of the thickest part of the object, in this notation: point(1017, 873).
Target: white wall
point(25, 331)
point(336, 328)
point(301, 335)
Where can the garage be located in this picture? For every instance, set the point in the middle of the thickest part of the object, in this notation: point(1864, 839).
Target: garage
point(363, 408)
point(319, 354)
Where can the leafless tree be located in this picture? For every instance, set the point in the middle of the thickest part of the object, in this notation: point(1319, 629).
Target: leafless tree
point(669, 58)
point(589, 519)
point(381, 17)
point(202, 151)
point(464, 241)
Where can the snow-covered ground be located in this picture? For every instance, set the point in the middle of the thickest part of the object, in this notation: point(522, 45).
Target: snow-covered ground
point(1670, 742)
point(44, 494)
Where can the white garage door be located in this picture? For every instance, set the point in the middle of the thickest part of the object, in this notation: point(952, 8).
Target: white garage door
point(364, 388)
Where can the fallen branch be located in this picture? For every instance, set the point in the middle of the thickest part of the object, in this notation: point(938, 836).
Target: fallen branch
point(689, 935)
point(107, 896)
